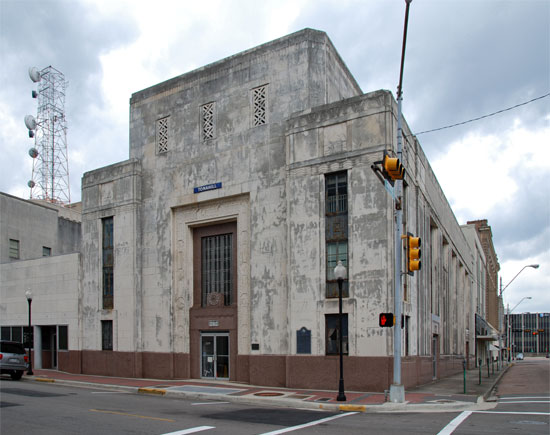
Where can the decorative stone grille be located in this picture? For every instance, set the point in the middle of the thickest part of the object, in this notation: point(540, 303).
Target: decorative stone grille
point(162, 135)
point(207, 115)
point(259, 103)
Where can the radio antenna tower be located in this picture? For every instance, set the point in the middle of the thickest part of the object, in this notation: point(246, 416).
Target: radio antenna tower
point(50, 167)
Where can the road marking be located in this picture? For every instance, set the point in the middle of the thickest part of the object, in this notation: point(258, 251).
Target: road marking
point(512, 412)
point(207, 403)
point(524, 401)
point(313, 423)
point(192, 430)
point(132, 415)
point(450, 428)
point(526, 397)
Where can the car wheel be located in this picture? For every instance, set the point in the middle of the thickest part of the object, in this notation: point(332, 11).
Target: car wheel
point(16, 375)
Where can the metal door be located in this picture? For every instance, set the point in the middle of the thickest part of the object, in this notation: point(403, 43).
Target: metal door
point(215, 355)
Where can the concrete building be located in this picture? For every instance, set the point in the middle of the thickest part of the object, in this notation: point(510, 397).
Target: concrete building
point(40, 252)
point(209, 253)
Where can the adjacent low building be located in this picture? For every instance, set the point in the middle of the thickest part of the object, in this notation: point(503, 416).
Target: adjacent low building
point(210, 252)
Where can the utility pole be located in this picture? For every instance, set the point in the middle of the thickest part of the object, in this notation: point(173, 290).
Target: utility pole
point(397, 390)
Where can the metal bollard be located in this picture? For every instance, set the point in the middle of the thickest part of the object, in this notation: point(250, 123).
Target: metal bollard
point(464, 368)
point(479, 365)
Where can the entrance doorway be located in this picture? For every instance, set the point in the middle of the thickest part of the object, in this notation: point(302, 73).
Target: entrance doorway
point(215, 355)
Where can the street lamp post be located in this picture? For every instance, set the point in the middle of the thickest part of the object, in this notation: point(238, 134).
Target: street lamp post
point(28, 294)
point(508, 332)
point(509, 324)
point(340, 274)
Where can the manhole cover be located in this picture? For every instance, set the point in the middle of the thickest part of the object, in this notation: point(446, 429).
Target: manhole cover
point(268, 394)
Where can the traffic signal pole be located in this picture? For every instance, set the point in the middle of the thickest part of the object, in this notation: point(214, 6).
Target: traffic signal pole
point(397, 390)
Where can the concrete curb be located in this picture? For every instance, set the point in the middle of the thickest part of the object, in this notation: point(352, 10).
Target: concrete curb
point(488, 394)
point(285, 402)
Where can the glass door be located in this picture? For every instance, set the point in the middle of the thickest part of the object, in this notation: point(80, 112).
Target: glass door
point(215, 355)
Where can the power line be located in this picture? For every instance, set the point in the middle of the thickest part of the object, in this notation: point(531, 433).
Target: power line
point(484, 116)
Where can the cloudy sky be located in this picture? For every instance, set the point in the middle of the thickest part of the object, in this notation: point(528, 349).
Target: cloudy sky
point(465, 59)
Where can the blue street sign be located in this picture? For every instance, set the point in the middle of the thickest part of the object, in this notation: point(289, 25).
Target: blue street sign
point(212, 186)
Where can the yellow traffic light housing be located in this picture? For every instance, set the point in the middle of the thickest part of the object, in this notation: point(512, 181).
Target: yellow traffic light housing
point(393, 168)
point(413, 254)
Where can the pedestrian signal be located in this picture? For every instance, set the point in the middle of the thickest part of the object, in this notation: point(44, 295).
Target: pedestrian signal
point(386, 320)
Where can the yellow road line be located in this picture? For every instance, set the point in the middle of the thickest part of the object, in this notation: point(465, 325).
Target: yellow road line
point(44, 380)
point(132, 415)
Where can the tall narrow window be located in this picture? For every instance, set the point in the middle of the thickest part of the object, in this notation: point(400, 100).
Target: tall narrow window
point(106, 335)
point(162, 135)
point(259, 105)
point(336, 230)
point(208, 121)
point(63, 337)
point(217, 269)
point(108, 262)
point(14, 249)
point(332, 340)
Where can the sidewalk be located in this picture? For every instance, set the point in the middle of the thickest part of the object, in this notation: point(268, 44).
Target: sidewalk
point(444, 395)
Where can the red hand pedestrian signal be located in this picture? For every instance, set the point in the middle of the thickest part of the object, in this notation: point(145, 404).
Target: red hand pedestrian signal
point(386, 320)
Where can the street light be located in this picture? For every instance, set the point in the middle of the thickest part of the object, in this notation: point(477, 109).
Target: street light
point(340, 274)
point(508, 331)
point(28, 294)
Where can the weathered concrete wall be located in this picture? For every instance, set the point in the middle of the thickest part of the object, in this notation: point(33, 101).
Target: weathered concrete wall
point(54, 282)
point(245, 159)
point(33, 225)
point(112, 191)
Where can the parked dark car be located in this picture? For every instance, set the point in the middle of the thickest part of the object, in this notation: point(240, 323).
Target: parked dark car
point(13, 359)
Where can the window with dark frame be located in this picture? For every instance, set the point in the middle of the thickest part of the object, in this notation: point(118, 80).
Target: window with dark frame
point(332, 341)
point(106, 335)
point(108, 262)
point(14, 249)
point(63, 337)
point(46, 252)
point(217, 267)
point(336, 230)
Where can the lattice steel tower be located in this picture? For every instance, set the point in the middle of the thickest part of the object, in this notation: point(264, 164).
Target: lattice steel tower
point(50, 168)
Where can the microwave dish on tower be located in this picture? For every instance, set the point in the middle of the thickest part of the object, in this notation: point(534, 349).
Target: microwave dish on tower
point(50, 164)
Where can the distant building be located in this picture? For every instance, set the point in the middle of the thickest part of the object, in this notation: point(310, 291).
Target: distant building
point(529, 333)
point(210, 252)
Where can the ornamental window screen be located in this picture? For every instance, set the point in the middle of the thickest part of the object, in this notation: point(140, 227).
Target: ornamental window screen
point(336, 230)
point(162, 135)
point(208, 121)
point(217, 268)
point(259, 105)
point(108, 262)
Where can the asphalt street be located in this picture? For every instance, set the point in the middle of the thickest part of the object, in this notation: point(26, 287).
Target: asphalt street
point(522, 405)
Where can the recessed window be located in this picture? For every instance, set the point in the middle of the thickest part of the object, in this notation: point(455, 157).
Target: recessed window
point(108, 262)
point(162, 135)
point(14, 249)
point(208, 121)
point(106, 335)
point(332, 339)
point(336, 230)
point(217, 269)
point(259, 106)
point(46, 252)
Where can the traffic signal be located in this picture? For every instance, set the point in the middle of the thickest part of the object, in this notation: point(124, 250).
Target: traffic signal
point(386, 320)
point(413, 253)
point(393, 168)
